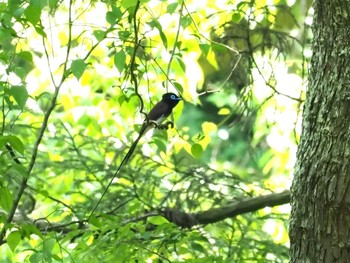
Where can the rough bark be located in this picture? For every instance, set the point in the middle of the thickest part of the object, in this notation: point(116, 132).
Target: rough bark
point(320, 219)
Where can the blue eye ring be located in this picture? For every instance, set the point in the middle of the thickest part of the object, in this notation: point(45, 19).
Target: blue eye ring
point(174, 97)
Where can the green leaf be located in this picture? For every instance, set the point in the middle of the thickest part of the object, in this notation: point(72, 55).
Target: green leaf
point(123, 34)
point(20, 169)
point(204, 48)
point(156, 24)
point(6, 199)
point(198, 247)
point(48, 245)
point(186, 21)
point(163, 38)
point(120, 60)
point(26, 55)
point(13, 240)
point(160, 144)
point(129, 3)
point(196, 150)
point(172, 7)
point(99, 34)
point(78, 67)
point(33, 12)
point(121, 99)
point(29, 229)
point(181, 63)
point(16, 143)
point(20, 94)
point(43, 193)
point(178, 86)
point(157, 220)
point(94, 221)
point(113, 16)
point(236, 17)
point(36, 258)
point(242, 4)
point(40, 30)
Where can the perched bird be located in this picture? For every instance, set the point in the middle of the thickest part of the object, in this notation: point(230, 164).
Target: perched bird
point(160, 111)
point(156, 116)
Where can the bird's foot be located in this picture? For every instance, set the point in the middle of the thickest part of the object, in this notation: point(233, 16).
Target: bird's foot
point(165, 126)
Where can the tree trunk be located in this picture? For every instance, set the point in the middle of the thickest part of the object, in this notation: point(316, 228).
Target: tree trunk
point(320, 220)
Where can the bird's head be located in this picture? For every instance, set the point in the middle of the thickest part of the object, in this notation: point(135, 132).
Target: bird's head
point(171, 99)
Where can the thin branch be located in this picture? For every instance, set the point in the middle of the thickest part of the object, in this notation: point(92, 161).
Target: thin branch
point(235, 52)
point(175, 42)
point(42, 130)
point(134, 80)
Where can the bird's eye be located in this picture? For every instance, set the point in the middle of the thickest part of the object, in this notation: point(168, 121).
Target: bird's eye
point(173, 97)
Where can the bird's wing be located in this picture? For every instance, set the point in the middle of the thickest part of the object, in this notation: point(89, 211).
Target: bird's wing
point(159, 112)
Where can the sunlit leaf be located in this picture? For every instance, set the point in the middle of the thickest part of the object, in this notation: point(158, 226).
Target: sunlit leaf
point(156, 24)
point(78, 67)
point(99, 34)
point(6, 199)
point(204, 48)
point(181, 63)
point(14, 141)
point(124, 35)
point(224, 111)
point(236, 17)
point(33, 12)
point(186, 21)
point(26, 55)
point(113, 16)
point(157, 220)
point(120, 60)
point(160, 144)
point(128, 3)
point(48, 245)
point(44, 193)
point(13, 239)
point(208, 127)
point(20, 94)
point(242, 4)
point(121, 99)
point(172, 7)
point(35, 258)
point(40, 30)
point(178, 86)
point(196, 150)
point(94, 221)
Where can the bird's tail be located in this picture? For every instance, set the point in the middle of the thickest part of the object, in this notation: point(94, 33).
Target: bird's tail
point(145, 127)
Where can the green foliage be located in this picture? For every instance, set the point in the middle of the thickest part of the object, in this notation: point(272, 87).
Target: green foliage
point(75, 87)
point(78, 67)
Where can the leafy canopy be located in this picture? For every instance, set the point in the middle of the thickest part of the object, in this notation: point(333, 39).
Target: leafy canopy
point(76, 80)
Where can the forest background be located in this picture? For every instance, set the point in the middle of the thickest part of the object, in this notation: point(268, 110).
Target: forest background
point(76, 78)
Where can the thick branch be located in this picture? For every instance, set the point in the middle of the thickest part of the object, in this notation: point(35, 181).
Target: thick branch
point(180, 218)
point(242, 207)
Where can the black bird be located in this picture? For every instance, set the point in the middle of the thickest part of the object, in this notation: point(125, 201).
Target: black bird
point(160, 111)
point(156, 116)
